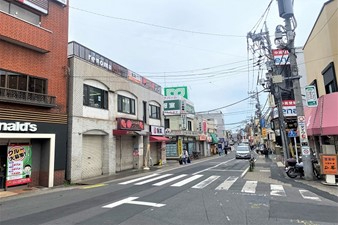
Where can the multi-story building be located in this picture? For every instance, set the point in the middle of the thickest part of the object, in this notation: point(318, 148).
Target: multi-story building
point(33, 91)
point(115, 117)
point(321, 61)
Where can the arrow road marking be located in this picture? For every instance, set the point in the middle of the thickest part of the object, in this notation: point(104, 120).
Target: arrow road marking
point(130, 200)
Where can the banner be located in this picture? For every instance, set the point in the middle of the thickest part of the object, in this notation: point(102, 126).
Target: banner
point(19, 165)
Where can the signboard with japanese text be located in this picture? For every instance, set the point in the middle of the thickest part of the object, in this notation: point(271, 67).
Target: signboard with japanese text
point(19, 165)
point(311, 96)
point(280, 57)
point(302, 129)
point(129, 124)
point(155, 130)
point(328, 164)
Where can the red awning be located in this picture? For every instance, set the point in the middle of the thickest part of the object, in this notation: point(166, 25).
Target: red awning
point(310, 114)
point(123, 132)
point(323, 120)
point(158, 139)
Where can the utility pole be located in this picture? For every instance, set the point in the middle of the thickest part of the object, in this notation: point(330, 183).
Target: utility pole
point(286, 12)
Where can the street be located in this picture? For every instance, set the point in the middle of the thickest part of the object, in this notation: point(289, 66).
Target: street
point(213, 191)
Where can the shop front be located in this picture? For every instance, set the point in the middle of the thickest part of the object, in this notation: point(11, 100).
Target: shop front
point(131, 140)
point(180, 140)
point(30, 154)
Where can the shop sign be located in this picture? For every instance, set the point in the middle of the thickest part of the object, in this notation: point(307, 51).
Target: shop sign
point(180, 146)
point(155, 130)
point(302, 129)
point(134, 77)
point(181, 133)
point(18, 127)
point(19, 165)
point(329, 164)
point(311, 96)
point(176, 91)
point(280, 57)
point(172, 107)
point(129, 124)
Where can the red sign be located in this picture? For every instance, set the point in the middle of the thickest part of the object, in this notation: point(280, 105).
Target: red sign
point(129, 124)
point(329, 164)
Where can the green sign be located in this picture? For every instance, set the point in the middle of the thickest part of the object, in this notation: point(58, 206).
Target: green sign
point(176, 91)
point(311, 96)
point(171, 105)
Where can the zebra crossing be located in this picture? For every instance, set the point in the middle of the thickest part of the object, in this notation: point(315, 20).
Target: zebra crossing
point(249, 187)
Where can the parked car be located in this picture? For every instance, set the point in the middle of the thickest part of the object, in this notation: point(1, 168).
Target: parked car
point(243, 152)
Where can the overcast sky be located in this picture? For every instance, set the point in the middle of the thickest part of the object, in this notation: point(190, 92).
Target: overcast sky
point(200, 44)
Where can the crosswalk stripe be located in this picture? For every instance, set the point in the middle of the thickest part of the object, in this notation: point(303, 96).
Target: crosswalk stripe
point(153, 179)
point(277, 190)
point(205, 182)
point(183, 182)
point(249, 187)
point(138, 179)
point(170, 180)
point(309, 195)
point(227, 183)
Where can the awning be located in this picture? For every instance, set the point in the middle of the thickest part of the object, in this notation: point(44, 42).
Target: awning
point(130, 132)
point(310, 114)
point(323, 120)
point(158, 139)
point(214, 138)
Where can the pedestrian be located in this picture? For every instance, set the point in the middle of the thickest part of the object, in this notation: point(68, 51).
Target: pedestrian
point(185, 156)
point(226, 150)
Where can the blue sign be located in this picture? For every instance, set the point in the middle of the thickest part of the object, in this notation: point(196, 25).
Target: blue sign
point(292, 133)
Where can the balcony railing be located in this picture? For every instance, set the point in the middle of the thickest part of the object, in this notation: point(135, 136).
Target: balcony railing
point(27, 98)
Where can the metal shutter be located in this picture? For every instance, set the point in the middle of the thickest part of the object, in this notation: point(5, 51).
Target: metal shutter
point(92, 156)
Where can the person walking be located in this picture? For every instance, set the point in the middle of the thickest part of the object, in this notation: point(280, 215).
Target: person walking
point(185, 156)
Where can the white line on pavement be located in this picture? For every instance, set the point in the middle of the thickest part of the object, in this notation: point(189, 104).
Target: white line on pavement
point(227, 183)
point(277, 190)
point(309, 195)
point(213, 167)
point(205, 182)
point(170, 180)
point(138, 179)
point(249, 187)
point(153, 179)
point(183, 182)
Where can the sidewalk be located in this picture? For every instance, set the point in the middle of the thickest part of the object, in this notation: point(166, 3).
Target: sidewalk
point(270, 170)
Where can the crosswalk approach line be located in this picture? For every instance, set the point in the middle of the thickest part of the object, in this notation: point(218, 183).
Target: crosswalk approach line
point(169, 180)
point(227, 183)
point(153, 179)
point(184, 182)
point(249, 187)
point(277, 190)
point(205, 182)
point(138, 179)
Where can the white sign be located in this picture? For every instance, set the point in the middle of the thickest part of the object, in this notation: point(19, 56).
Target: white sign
point(17, 126)
point(305, 150)
point(157, 130)
point(302, 129)
point(311, 96)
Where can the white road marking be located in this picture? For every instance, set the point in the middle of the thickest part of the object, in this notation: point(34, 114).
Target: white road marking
point(138, 179)
point(249, 187)
point(245, 171)
point(130, 200)
point(183, 182)
point(205, 182)
point(153, 179)
point(170, 180)
point(227, 183)
point(213, 167)
point(225, 170)
point(123, 201)
point(277, 190)
point(309, 195)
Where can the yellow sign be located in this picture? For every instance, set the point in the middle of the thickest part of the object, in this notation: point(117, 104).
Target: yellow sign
point(179, 147)
point(264, 132)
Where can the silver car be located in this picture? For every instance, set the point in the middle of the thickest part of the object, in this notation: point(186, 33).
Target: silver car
point(243, 152)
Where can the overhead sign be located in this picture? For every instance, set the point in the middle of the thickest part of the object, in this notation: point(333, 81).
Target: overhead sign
point(311, 96)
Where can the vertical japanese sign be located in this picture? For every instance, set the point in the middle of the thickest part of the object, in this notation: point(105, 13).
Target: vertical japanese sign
point(302, 129)
point(19, 165)
point(180, 146)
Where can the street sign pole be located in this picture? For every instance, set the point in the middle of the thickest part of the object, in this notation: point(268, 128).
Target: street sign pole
point(295, 139)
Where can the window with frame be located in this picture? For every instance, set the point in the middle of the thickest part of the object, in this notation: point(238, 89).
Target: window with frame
point(155, 112)
point(95, 97)
point(20, 12)
point(125, 104)
point(21, 82)
point(166, 123)
point(330, 80)
point(189, 125)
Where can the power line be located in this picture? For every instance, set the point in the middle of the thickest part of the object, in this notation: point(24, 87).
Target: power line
point(155, 25)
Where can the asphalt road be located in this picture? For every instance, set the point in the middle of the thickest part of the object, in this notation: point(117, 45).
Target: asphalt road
point(208, 192)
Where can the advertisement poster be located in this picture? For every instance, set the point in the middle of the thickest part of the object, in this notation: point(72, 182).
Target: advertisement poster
point(19, 165)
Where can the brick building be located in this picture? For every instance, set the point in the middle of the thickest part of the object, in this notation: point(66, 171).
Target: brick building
point(33, 91)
